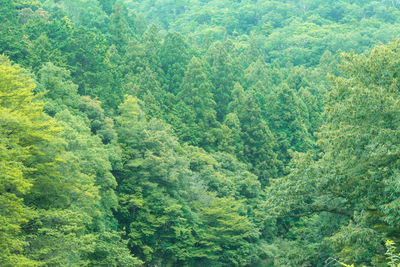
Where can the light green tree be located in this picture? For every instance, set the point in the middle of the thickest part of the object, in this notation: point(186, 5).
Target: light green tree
point(25, 133)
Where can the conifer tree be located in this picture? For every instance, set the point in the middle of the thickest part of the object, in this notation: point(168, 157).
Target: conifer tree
point(12, 42)
point(119, 27)
point(174, 56)
point(151, 40)
point(259, 144)
point(288, 119)
point(354, 179)
point(146, 86)
point(222, 76)
point(107, 5)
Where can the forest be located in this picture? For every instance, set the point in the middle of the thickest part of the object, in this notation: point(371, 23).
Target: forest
point(162, 133)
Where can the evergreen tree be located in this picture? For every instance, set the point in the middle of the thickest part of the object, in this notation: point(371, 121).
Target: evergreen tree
point(89, 184)
point(222, 76)
point(353, 176)
point(12, 42)
point(107, 5)
point(147, 87)
point(259, 144)
point(119, 27)
point(288, 120)
point(157, 221)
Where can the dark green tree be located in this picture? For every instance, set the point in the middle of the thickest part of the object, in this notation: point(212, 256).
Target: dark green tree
point(195, 111)
point(107, 5)
point(174, 56)
point(119, 28)
point(257, 142)
point(288, 119)
point(222, 75)
point(12, 41)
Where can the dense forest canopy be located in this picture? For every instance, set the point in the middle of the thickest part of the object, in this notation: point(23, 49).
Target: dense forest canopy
point(199, 133)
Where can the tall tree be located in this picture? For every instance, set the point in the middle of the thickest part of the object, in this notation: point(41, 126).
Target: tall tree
point(157, 222)
point(75, 198)
point(12, 41)
point(355, 177)
point(119, 27)
point(26, 132)
point(288, 119)
point(259, 144)
point(222, 75)
point(174, 56)
point(196, 107)
point(107, 5)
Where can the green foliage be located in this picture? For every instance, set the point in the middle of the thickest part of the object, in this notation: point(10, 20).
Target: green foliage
point(150, 207)
point(223, 74)
point(288, 120)
point(90, 153)
point(257, 140)
point(226, 233)
point(195, 114)
point(119, 28)
point(392, 256)
point(12, 42)
point(26, 132)
point(358, 162)
point(174, 56)
point(223, 133)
